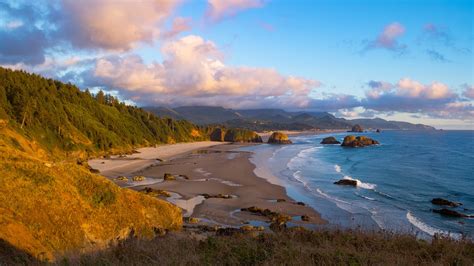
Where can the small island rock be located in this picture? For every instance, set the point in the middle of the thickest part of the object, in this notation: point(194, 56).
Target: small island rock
point(346, 182)
point(441, 201)
point(357, 128)
point(330, 140)
point(451, 213)
point(360, 141)
point(279, 138)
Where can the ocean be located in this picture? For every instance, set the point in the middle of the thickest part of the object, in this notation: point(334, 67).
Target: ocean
point(396, 179)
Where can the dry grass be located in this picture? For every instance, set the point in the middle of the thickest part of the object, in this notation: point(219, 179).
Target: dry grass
point(52, 208)
point(289, 248)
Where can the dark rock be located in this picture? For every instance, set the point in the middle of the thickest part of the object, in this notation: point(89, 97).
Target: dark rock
point(378, 130)
point(155, 192)
point(273, 216)
point(357, 128)
point(346, 182)
point(451, 213)
point(330, 140)
point(305, 218)
point(218, 196)
point(301, 203)
point(168, 177)
point(440, 201)
point(94, 171)
point(279, 138)
point(217, 134)
point(360, 141)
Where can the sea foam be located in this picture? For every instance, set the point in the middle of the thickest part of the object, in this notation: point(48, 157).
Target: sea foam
point(361, 184)
point(429, 229)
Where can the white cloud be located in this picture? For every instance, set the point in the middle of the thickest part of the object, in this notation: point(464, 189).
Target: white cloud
point(111, 24)
point(193, 71)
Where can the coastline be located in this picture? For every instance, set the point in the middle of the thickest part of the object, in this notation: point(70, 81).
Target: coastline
point(211, 168)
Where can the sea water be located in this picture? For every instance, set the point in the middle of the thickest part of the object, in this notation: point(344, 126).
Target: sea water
point(396, 180)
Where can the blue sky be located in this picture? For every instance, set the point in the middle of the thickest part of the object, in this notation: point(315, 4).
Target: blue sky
point(405, 60)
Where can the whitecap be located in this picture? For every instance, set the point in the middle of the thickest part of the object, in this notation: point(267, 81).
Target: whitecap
point(337, 168)
point(429, 229)
point(365, 197)
point(361, 184)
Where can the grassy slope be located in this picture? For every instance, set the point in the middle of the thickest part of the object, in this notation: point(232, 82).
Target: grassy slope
point(49, 208)
point(287, 248)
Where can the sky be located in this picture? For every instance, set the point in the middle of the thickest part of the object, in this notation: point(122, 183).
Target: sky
point(409, 60)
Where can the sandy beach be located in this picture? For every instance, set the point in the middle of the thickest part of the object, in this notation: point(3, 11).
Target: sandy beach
point(211, 168)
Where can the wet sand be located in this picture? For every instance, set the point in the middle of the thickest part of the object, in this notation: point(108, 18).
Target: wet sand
point(211, 169)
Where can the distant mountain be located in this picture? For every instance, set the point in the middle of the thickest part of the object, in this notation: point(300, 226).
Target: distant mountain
point(384, 124)
point(275, 119)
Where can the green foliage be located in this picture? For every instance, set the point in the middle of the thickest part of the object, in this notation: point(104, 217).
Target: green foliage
point(241, 135)
point(61, 117)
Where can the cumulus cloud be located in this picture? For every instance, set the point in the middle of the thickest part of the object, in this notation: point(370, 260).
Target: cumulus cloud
point(193, 71)
point(407, 95)
point(220, 9)
point(110, 24)
point(388, 38)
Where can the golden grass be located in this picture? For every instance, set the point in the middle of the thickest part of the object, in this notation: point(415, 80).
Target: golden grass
point(51, 208)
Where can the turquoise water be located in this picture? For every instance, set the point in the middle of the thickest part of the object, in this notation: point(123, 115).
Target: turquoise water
point(396, 180)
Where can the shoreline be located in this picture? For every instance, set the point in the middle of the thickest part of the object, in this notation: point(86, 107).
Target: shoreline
point(214, 168)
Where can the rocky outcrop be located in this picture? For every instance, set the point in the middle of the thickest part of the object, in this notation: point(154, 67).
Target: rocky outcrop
point(217, 134)
point(445, 202)
point(275, 217)
point(242, 135)
point(217, 196)
point(360, 141)
point(168, 177)
point(451, 213)
point(357, 128)
point(378, 130)
point(279, 138)
point(346, 182)
point(155, 192)
point(330, 140)
point(138, 178)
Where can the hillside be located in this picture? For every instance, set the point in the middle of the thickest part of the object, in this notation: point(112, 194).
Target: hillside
point(275, 119)
point(64, 119)
point(52, 205)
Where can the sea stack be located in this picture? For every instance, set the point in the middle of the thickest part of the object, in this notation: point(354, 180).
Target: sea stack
point(357, 128)
point(360, 141)
point(330, 140)
point(279, 138)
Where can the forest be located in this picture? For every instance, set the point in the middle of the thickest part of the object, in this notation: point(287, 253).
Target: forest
point(61, 117)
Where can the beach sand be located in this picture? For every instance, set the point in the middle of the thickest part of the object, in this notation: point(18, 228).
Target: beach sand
point(204, 167)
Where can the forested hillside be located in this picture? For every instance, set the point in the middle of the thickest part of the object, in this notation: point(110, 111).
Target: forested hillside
point(62, 118)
